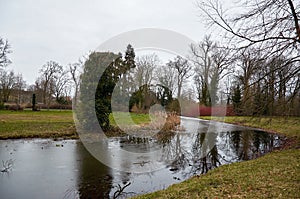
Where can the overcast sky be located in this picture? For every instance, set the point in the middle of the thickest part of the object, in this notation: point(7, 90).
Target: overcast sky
point(64, 30)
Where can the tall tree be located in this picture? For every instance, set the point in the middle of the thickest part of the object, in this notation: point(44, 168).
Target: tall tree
point(249, 65)
point(60, 84)
point(7, 84)
point(201, 57)
point(111, 67)
point(48, 72)
point(75, 71)
point(145, 67)
point(256, 27)
point(126, 83)
point(212, 63)
point(129, 61)
point(19, 88)
point(144, 79)
point(166, 77)
point(183, 72)
point(89, 101)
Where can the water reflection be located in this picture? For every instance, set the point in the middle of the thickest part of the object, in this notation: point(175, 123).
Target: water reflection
point(64, 169)
point(95, 178)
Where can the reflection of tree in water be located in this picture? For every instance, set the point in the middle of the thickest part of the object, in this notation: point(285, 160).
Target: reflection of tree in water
point(205, 154)
point(174, 153)
point(251, 144)
point(202, 157)
point(94, 178)
point(185, 154)
point(207, 148)
point(137, 144)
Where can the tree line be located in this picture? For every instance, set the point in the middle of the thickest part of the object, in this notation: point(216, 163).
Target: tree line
point(264, 37)
point(254, 68)
point(211, 75)
point(54, 85)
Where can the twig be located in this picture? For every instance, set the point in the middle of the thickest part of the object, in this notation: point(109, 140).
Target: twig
point(7, 165)
point(120, 190)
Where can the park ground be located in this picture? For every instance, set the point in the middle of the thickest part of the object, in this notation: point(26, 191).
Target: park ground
point(275, 175)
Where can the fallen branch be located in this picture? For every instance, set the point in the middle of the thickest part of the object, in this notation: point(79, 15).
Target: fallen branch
point(120, 190)
point(7, 165)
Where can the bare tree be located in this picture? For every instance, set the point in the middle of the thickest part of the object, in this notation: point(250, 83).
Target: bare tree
point(212, 63)
point(258, 23)
point(48, 71)
point(20, 85)
point(145, 67)
point(270, 27)
point(60, 82)
point(201, 57)
point(4, 51)
point(75, 71)
point(266, 37)
point(7, 84)
point(249, 65)
point(183, 72)
point(37, 88)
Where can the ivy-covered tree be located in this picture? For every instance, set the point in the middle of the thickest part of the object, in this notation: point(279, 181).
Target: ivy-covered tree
point(94, 66)
point(105, 89)
point(102, 71)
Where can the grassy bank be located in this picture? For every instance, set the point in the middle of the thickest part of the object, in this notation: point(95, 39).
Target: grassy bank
point(42, 124)
point(48, 124)
point(275, 175)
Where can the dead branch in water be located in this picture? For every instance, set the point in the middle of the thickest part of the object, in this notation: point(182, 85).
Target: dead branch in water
point(120, 190)
point(7, 165)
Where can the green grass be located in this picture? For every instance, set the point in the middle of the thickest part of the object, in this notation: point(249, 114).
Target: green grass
point(42, 124)
point(275, 175)
point(123, 119)
point(49, 124)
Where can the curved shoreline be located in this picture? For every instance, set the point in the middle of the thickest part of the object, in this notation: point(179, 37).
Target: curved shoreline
point(275, 174)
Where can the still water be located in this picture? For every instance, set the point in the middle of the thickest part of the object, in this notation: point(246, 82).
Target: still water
point(43, 168)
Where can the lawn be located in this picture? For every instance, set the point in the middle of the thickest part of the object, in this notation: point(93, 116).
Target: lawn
point(275, 175)
point(122, 118)
point(42, 124)
point(48, 124)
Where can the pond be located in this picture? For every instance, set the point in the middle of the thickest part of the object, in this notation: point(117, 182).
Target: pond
point(43, 168)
